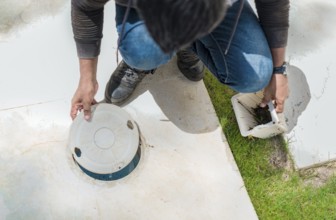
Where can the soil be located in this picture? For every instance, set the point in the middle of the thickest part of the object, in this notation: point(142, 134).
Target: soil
point(320, 175)
point(279, 158)
point(262, 115)
point(316, 176)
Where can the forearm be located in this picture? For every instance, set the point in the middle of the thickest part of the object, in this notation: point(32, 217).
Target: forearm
point(87, 25)
point(88, 70)
point(274, 19)
point(278, 56)
point(87, 88)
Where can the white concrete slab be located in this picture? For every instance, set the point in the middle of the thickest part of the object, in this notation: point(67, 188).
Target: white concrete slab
point(311, 52)
point(310, 107)
point(186, 170)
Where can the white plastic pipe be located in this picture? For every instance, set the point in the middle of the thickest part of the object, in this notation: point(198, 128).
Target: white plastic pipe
point(273, 113)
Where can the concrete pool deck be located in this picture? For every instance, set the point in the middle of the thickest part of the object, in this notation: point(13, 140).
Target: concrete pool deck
point(186, 170)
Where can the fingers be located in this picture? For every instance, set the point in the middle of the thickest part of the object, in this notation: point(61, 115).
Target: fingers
point(74, 109)
point(276, 90)
point(94, 102)
point(87, 110)
point(85, 106)
point(266, 99)
point(84, 98)
point(279, 105)
point(263, 103)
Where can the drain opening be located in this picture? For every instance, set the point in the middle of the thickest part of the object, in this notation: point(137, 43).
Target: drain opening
point(78, 152)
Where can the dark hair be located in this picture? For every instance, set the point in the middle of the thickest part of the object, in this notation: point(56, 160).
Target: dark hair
point(177, 23)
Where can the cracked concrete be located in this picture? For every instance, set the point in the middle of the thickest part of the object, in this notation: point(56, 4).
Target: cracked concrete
point(311, 49)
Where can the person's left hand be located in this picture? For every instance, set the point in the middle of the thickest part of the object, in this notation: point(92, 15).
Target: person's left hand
point(276, 90)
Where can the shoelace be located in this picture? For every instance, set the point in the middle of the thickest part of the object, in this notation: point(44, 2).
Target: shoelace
point(130, 74)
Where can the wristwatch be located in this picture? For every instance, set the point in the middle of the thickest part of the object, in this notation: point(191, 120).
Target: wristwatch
point(281, 69)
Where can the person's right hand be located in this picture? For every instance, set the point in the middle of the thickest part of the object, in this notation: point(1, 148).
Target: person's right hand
point(84, 98)
point(87, 88)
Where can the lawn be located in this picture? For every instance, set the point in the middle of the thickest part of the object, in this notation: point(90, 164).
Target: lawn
point(277, 190)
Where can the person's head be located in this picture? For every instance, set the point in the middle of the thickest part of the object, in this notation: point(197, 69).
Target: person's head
point(176, 23)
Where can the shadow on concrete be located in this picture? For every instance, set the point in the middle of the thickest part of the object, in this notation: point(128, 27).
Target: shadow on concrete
point(299, 96)
point(185, 103)
point(188, 106)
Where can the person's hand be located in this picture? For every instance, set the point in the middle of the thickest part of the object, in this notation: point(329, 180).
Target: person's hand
point(276, 90)
point(84, 98)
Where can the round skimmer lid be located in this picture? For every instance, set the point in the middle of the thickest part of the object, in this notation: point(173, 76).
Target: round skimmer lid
point(107, 143)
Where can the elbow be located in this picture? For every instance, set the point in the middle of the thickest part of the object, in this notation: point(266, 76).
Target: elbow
point(88, 5)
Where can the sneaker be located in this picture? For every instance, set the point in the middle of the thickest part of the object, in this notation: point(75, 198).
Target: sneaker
point(123, 82)
point(190, 65)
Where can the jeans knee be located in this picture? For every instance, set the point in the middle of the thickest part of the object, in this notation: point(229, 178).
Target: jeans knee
point(255, 84)
point(258, 81)
point(254, 78)
point(144, 60)
point(140, 51)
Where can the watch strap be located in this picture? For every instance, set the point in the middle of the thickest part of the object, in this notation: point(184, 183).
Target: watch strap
point(280, 69)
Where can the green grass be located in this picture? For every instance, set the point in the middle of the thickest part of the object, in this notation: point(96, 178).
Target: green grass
point(276, 192)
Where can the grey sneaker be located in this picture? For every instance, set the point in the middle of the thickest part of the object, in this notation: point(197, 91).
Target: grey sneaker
point(190, 65)
point(123, 82)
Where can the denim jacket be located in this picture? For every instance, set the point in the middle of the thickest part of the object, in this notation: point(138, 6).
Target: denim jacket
point(87, 23)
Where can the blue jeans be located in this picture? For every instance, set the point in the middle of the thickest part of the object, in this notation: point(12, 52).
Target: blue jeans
point(247, 66)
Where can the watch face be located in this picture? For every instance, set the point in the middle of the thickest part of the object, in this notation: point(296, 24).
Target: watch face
point(285, 68)
point(281, 69)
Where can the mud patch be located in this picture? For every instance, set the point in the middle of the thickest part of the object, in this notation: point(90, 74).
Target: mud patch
point(318, 176)
point(279, 158)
